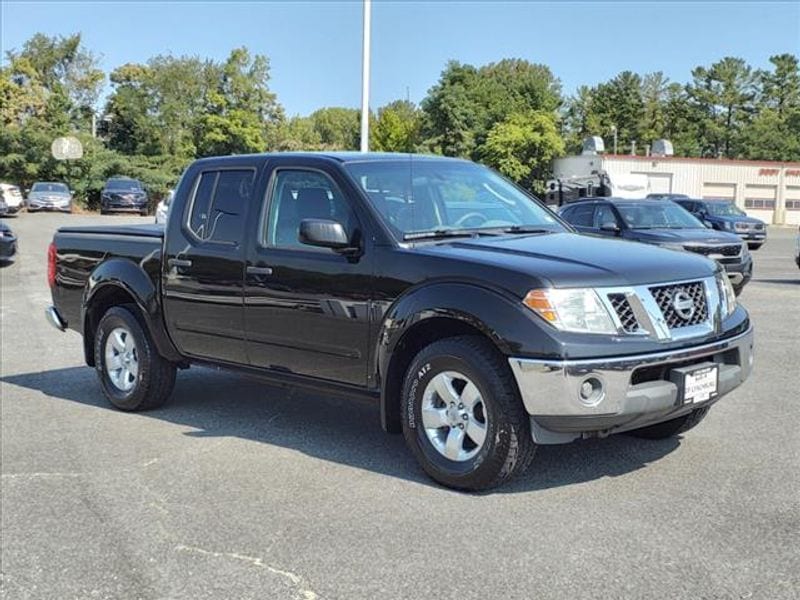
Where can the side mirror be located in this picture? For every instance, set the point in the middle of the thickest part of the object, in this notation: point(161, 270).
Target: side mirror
point(610, 227)
point(323, 233)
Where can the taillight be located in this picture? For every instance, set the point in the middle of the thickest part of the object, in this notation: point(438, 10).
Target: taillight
point(51, 265)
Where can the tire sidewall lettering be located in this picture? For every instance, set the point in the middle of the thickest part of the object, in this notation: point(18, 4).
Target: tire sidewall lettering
point(412, 394)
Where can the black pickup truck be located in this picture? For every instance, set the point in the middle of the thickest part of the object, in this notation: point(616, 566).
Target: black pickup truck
point(481, 323)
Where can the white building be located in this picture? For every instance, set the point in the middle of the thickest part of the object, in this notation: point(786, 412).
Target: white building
point(766, 190)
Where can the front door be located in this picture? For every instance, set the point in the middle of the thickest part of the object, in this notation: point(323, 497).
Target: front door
point(306, 308)
point(204, 266)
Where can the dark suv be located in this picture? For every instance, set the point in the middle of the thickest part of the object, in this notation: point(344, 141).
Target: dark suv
point(121, 194)
point(663, 223)
point(724, 215)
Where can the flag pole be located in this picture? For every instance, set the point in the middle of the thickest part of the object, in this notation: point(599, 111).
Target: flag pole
point(365, 52)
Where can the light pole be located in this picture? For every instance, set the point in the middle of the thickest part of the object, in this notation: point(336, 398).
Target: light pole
point(614, 131)
point(365, 77)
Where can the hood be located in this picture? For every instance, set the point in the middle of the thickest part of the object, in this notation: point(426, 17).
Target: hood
point(679, 236)
point(44, 195)
point(573, 260)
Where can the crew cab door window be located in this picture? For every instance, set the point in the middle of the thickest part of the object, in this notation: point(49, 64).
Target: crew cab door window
point(581, 216)
point(297, 195)
point(217, 212)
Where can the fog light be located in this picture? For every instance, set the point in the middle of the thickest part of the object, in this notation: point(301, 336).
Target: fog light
point(591, 391)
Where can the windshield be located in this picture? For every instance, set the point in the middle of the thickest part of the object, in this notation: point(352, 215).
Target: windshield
point(441, 196)
point(661, 215)
point(123, 184)
point(50, 187)
point(725, 209)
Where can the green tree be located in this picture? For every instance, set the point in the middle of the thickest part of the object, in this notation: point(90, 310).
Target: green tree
point(242, 111)
point(397, 128)
point(467, 102)
point(338, 128)
point(774, 132)
point(296, 134)
point(523, 146)
point(724, 94)
point(61, 65)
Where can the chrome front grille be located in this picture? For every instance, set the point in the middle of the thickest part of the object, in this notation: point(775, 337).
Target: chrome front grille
point(668, 296)
point(668, 311)
point(624, 311)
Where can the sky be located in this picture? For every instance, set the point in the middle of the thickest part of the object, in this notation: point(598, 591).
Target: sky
point(315, 47)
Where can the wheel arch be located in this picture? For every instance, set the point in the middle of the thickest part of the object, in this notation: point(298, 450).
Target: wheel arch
point(432, 313)
point(116, 282)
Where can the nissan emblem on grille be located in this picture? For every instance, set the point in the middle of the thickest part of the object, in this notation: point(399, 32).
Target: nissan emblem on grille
point(683, 304)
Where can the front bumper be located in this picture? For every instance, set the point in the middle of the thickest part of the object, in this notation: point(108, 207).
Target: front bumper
point(34, 206)
point(8, 248)
point(752, 236)
point(636, 390)
point(740, 273)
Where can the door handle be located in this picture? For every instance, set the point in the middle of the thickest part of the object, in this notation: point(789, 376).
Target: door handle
point(259, 270)
point(179, 262)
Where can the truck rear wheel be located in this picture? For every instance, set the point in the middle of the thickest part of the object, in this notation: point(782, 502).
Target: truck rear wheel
point(462, 415)
point(133, 375)
point(668, 429)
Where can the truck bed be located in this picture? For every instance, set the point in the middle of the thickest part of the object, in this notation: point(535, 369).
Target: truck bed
point(145, 230)
point(81, 250)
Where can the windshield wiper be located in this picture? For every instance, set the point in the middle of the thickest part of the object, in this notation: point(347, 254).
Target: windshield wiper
point(443, 233)
point(526, 229)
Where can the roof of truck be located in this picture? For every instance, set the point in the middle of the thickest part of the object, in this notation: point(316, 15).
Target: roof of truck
point(340, 156)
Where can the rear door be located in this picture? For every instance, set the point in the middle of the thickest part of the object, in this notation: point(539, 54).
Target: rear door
point(307, 308)
point(203, 277)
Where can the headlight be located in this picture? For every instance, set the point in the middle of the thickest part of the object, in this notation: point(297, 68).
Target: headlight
point(671, 246)
point(577, 310)
point(726, 294)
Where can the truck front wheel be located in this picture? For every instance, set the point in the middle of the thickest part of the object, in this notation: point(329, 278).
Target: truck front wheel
point(133, 375)
point(669, 429)
point(462, 415)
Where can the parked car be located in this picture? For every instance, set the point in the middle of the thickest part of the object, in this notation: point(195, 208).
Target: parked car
point(49, 195)
point(8, 243)
point(724, 215)
point(666, 196)
point(477, 320)
point(665, 224)
point(162, 210)
point(122, 194)
point(797, 248)
point(11, 201)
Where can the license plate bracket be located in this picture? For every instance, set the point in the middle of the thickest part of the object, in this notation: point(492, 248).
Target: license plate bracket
point(696, 383)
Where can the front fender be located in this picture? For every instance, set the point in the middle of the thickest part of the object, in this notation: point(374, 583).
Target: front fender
point(499, 316)
point(122, 274)
point(502, 318)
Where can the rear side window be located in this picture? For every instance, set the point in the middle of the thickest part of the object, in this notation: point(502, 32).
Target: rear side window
point(580, 216)
point(219, 205)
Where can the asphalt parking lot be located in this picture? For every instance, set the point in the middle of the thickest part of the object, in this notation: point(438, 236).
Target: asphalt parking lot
point(237, 490)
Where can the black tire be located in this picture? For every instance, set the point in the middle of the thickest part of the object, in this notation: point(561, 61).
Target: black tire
point(155, 378)
point(508, 447)
point(668, 429)
point(754, 246)
point(737, 289)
